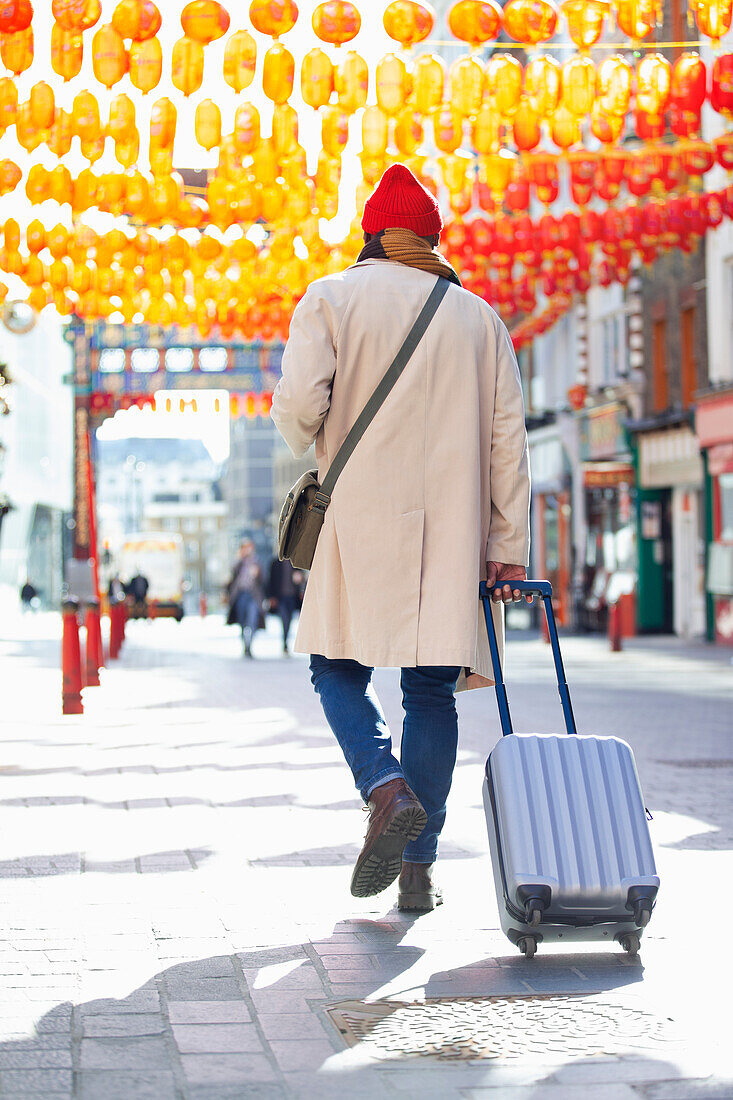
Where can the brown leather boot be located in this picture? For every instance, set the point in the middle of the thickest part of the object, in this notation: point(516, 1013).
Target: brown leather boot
point(417, 889)
point(396, 818)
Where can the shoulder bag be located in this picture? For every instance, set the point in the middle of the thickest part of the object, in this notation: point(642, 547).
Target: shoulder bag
point(304, 510)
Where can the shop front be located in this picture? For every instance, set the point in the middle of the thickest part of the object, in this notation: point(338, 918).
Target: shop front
point(610, 558)
point(551, 518)
point(714, 424)
point(671, 531)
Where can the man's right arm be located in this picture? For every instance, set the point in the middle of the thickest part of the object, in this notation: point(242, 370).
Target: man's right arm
point(303, 394)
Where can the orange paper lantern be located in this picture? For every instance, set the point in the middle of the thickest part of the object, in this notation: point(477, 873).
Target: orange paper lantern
point(76, 15)
point(336, 21)
point(713, 18)
point(475, 21)
point(85, 117)
point(530, 21)
point(204, 21)
point(273, 18)
point(136, 19)
point(526, 123)
point(408, 22)
point(636, 18)
point(578, 85)
point(504, 82)
point(121, 122)
point(10, 176)
point(240, 59)
point(351, 82)
point(60, 133)
point(585, 20)
point(542, 76)
point(316, 78)
point(208, 124)
point(653, 84)
point(284, 137)
point(16, 51)
point(163, 119)
point(15, 15)
point(428, 80)
point(392, 84)
point(42, 105)
point(246, 134)
point(613, 85)
point(466, 86)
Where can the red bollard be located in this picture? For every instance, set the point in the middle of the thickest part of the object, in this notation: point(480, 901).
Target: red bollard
point(115, 635)
point(93, 657)
point(614, 627)
point(71, 660)
point(123, 620)
point(203, 605)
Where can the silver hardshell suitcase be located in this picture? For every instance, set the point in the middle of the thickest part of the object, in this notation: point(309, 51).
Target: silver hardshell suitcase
point(568, 830)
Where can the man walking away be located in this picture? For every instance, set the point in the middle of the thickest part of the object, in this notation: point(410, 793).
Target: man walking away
point(434, 499)
point(283, 592)
point(245, 594)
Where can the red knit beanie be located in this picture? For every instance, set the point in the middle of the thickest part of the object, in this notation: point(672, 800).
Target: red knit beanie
point(401, 200)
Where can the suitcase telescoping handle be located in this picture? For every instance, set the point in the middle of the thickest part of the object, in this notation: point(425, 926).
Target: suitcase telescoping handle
point(543, 589)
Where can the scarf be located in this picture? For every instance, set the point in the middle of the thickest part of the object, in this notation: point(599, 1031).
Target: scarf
point(407, 248)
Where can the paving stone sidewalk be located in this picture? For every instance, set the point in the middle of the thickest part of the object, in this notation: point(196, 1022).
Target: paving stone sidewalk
point(175, 905)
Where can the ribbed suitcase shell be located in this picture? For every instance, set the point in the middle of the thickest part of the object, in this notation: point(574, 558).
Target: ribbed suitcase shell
point(569, 814)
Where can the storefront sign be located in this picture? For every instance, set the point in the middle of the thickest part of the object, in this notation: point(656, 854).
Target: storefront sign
point(607, 475)
point(714, 419)
point(602, 433)
point(669, 458)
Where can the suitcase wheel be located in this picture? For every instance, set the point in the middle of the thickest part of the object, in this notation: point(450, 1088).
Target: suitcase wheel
point(527, 945)
point(631, 943)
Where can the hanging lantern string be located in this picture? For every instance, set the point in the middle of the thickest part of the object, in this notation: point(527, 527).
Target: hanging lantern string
point(553, 46)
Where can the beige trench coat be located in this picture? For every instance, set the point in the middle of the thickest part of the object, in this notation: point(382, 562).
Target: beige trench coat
point(439, 484)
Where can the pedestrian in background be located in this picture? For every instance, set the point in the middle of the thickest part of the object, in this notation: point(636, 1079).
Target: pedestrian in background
point(137, 591)
point(29, 596)
point(245, 595)
point(434, 499)
point(284, 593)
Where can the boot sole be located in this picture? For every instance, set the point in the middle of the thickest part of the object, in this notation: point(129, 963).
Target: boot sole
point(382, 864)
point(422, 903)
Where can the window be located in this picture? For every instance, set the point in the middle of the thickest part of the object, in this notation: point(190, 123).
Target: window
point(111, 360)
point(725, 482)
point(145, 360)
point(689, 367)
point(660, 382)
point(179, 359)
point(213, 359)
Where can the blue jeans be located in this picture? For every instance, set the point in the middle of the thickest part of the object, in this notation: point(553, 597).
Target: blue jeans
point(247, 614)
point(429, 736)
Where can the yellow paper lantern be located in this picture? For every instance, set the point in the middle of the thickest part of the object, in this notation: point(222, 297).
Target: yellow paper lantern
point(278, 73)
point(246, 134)
point(163, 119)
point(392, 83)
point(137, 192)
point(428, 80)
point(605, 126)
point(272, 202)
point(408, 132)
point(35, 273)
point(16, 50)
point(336, 21)
point(76, 15)
point(526, 125)
point(161, 160)
point(121, 122)
point(57, 240)
point(316, 79)
point(61, 133)
point(453, 168)
point(328, 173)
point(496, 171)
point(542, 77)
point(109, 56)
point(351, 81)
point(93, 149)
point(374, 132)
point(713, 18)
point(11, 235)
point(187, 65)
point(59, 273)
point(240, 60)
point(8, 103)
point(653, 83)
point(566, 130)
point(613, 85)
point(408, 22)
point(585, 20)
point(578, 85)
point(26, 132)
point(85, 190)
point(466, 86)
point(146, 64)
point(128, 151)
point(67, 51)
point(61, 184)
point(35, 236)
point(10, 176)
point(284, 130)
point(136, 19)
point(38, 298)
point(485, 130)
point(447, 128)
point(42, 105)
point(334, 130)
point(504, 83)
point(271, 18)
point(530, 21)
point(37, 184)
point(207, 124)
point(85, 116)
point(204, 21)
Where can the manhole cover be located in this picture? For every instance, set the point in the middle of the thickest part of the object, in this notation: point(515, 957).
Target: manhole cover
point(499, 1027)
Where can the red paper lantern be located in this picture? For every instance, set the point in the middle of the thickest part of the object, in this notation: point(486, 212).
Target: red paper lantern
point(15, 15)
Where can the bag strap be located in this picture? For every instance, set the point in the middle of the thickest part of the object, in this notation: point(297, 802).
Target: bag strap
point(375, 402)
